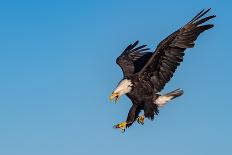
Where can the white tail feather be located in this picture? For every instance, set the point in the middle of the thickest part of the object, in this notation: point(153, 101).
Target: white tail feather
point(164, 99)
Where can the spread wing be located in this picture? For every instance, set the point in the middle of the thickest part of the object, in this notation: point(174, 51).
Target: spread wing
point(133, 59)
point(169, 53)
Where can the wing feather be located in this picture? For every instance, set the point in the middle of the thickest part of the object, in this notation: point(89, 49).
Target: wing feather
point(170, 52)
point(131, 60)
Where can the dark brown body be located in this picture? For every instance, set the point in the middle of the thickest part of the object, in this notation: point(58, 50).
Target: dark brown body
point(142, 96)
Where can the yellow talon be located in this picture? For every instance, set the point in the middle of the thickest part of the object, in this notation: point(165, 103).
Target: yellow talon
point(141, 119)
point(121, 126)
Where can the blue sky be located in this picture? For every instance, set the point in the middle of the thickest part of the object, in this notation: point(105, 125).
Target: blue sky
point(57, 64)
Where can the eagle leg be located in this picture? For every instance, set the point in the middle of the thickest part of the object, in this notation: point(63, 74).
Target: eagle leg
point(141, 119)
point(132, 116)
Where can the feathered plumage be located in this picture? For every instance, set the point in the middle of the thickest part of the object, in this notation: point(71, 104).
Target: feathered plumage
point(148, 72)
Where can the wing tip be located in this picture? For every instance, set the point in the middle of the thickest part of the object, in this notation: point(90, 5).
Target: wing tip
point(201, 14)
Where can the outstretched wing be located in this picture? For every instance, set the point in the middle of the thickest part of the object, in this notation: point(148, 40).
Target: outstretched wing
point(169, 53)
point(133, 59)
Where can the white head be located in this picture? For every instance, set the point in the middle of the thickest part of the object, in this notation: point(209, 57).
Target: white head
point(124, 87)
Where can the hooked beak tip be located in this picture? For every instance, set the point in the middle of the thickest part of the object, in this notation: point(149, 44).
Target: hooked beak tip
point(114, 97)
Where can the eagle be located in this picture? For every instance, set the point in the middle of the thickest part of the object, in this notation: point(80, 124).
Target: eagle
point(146, 73)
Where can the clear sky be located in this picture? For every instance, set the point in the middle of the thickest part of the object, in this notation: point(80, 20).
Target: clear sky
point(57, 65)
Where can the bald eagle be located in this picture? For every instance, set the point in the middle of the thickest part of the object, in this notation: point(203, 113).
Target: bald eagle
point(146, 73)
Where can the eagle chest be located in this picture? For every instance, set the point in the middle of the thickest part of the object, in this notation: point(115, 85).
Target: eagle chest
point(141, 91)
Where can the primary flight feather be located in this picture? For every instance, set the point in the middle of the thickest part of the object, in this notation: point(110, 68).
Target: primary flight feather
point(146, 73)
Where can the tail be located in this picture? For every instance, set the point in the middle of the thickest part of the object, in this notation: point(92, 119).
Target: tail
point(164, 99)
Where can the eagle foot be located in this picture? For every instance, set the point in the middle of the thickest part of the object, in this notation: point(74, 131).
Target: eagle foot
point(122, 126)
point(141, 119)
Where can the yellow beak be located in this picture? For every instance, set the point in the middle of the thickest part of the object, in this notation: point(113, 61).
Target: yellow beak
point(114, 97)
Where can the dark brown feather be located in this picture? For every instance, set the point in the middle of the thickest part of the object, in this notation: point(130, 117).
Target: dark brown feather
point(133, 59)
point(170, 52)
